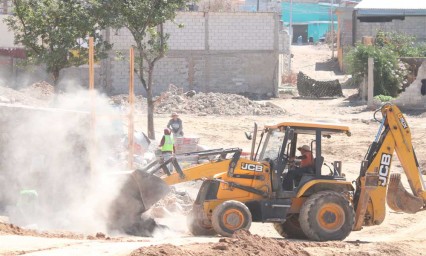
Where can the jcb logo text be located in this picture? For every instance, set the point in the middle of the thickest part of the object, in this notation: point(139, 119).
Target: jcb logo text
point(252, 167)
point(384, 169)
point(402, 121)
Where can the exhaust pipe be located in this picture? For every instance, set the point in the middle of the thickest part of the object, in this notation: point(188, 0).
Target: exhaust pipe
point(399, 199)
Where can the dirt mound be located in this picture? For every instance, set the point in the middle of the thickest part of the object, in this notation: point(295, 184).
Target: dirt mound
point(242, 243)
point(41, 90)
point(10, 229)
point(215, 104)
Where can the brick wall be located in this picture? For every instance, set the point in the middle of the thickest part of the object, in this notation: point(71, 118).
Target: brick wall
point(219, 52)
point(412, 25)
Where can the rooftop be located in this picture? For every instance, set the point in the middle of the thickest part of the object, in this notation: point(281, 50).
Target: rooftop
point(391, 7)
point(392, 4)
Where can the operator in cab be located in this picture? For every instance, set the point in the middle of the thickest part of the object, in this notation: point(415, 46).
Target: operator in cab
point(306, 165)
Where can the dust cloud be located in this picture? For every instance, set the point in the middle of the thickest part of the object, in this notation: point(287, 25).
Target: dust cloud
point(56, 169)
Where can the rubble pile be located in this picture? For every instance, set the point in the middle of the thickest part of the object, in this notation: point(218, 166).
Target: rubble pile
point(41, 90)
point(122, 100)
point(215, 104)
point(11, 96)
point(175, 202)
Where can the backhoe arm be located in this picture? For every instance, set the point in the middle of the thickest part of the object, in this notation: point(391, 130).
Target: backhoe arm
point(198, 172)
point(376, 185)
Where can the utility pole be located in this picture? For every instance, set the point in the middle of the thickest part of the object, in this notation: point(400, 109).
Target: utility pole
point(332, 29)
point(257, 6)
point(290, 28)
point(290, 32)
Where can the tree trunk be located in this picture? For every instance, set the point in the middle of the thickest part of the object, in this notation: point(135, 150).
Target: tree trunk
point(55, 74)
point(151, 132)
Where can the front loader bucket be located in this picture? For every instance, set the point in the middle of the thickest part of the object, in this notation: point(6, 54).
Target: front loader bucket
point(151, 188)
point(399, 199)
point(138, 193)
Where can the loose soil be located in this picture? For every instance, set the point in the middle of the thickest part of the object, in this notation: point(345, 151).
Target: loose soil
point(243, 243)
point(10, 229)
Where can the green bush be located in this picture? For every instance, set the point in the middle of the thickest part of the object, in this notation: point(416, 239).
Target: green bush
point(383, 98)
point(389, 73)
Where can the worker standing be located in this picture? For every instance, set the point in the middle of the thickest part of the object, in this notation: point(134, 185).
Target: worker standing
point(175, 124)
point(167, 146)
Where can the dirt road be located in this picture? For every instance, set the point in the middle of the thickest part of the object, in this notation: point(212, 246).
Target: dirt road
point(400, 234)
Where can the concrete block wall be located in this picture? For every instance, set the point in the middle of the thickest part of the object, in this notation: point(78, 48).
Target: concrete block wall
point(191, 36)
point(412, 97)
point(241, 31)
point(412, 25)
point(7, 38)
point(218, 52)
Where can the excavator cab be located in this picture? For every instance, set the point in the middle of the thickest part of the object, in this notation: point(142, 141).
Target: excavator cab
point(279, 143)
point(253, 191)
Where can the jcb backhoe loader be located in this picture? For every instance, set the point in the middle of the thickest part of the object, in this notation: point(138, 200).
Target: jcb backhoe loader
point(321, 206)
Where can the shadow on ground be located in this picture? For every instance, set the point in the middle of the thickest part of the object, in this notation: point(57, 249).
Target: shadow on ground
point(329, 65)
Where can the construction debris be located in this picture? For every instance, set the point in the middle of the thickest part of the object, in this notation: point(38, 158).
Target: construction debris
point(175, 202)
point(203, 104)
point(216, 104)
point(41, 90)
point(11, 96)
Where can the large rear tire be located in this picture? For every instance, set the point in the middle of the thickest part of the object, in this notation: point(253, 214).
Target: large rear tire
point(327, 215)
point(231, 216)
point(290, 228)
point(196, 225)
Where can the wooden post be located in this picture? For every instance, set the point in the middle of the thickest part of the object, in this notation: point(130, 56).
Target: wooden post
point(370, 102)
point(91, 68)
point(92, 107)
point(332, 30)
point(132, 109)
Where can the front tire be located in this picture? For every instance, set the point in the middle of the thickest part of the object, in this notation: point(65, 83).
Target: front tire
point(290, 228)
point(327, 215)
point(196, 225)
point(231, 216)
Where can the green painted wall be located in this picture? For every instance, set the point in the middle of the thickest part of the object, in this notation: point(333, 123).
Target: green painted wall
point(316, 16)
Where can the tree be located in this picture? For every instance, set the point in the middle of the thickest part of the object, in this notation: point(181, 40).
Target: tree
point(144, 19)
point(55, 32)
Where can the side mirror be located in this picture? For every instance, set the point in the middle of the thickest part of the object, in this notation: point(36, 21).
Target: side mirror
point(249, 135)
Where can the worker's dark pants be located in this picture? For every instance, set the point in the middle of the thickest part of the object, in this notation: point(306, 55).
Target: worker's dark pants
point(295, 175)
point(166, 155)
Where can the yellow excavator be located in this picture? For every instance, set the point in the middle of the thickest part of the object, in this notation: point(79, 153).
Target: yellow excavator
point(322, 205)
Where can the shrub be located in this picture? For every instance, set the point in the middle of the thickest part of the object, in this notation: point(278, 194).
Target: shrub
point(389, 73)
point(383, 98)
